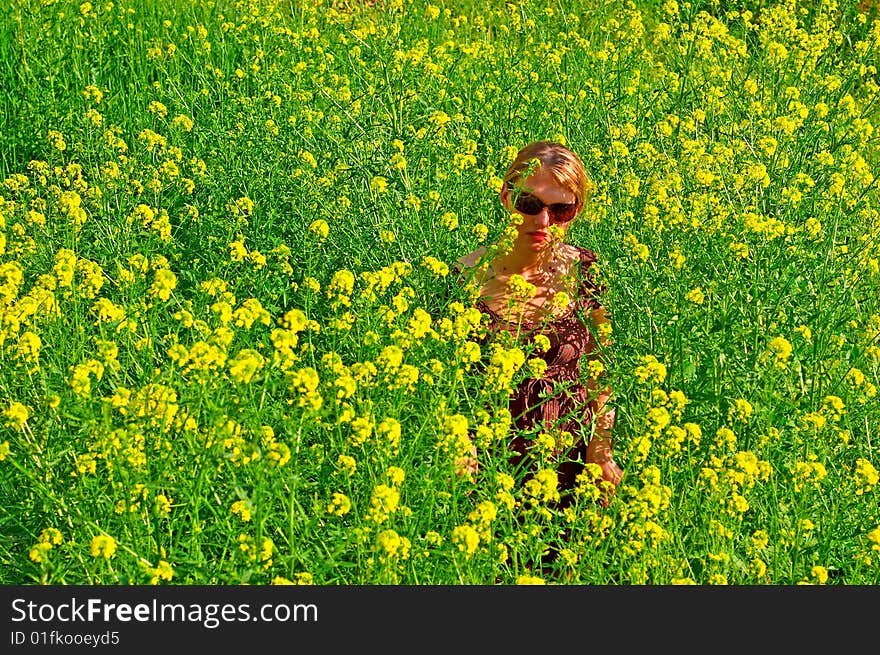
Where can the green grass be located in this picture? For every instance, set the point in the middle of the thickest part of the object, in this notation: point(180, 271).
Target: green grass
point(735, 205)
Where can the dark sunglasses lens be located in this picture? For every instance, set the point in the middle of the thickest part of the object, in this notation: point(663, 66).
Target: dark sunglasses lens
point(563, 213)
point(527, 204)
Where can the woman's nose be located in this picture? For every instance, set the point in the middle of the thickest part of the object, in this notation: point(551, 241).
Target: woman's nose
point(542, 219)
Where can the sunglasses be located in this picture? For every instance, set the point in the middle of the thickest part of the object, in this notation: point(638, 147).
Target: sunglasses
point(560, 212)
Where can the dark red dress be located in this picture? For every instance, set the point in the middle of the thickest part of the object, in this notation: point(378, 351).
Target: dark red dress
point(557, 401)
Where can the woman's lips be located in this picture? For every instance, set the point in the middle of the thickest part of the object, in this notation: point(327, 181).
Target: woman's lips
point(540, 236)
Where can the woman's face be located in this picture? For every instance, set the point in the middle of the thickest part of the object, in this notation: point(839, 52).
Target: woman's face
point(534, 231)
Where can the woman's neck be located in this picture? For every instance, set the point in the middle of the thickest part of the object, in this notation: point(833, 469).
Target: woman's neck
point(521, 260)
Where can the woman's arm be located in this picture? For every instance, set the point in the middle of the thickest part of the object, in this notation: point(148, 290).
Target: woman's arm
point(599, 447)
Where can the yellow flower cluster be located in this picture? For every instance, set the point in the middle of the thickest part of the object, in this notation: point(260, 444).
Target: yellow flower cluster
point(543, 486)
point(103, 546)
point(504, 363)
point(339, 505)
point(437, 267)
point(866, 476)
point(16, 415)
point(781, 349)
point(164, 282)
point(81, 376)
point(245, 364)
point(243, 509)
point(519, 289)
point(48, 538)
point(652, 370)
point(152, 219)
point(809, 473)
point(391, 546)
point(255, 552)
point(466, 539)
point(648, 508)
point(162, 571)
point(384, 501)
point(454, 438)
point(305, 382)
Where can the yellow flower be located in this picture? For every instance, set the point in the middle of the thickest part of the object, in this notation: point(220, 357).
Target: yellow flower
point(820, 573)
point(436, 266)
point(503, 365)
point(320, 227)
point(38, 551)
point(537, 367)
point(164, 282)
point(163, 571)
point(519, 288)
point(341, 285)
point(103, 546)
point(383, 502)
point(874, 538)
point(245, 365)
point(242, 207)
point(156, 107)
point(308, 158)
point(395, 474)
point(449, 220)
point(237, 251)
point(346, 464)
point(242, 508)
point(16, 415)
point(48, 538)
point(467, 539)
point(652, 370)
point(740, 410)
point(93, 93)
point(834, 405)
point(866, 476)
point(545, 443)
point(725, 438)
point(361, 430)
point(529, 580)
point(163, 505)
point(544, 485)
point(56, 139)
point(339, 505)
point(391, 545)
point(504, 481)
point(781, 348)
point(638, 250)
point(542, 343)
point(182, 121)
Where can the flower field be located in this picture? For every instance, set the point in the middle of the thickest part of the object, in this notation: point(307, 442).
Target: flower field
point(234, 351)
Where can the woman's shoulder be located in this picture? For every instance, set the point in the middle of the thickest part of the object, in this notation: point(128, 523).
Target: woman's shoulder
point(588, 289)
point(584, 255)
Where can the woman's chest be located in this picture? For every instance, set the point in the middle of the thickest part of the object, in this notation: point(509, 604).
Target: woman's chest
point(518, 300)
point(568, 338)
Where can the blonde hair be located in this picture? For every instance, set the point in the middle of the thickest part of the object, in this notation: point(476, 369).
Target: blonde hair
point(564, 166)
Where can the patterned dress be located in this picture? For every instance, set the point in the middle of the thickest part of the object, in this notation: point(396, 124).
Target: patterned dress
point(557, 401)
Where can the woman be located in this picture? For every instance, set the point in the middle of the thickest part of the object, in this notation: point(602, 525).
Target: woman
point(548, 186)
